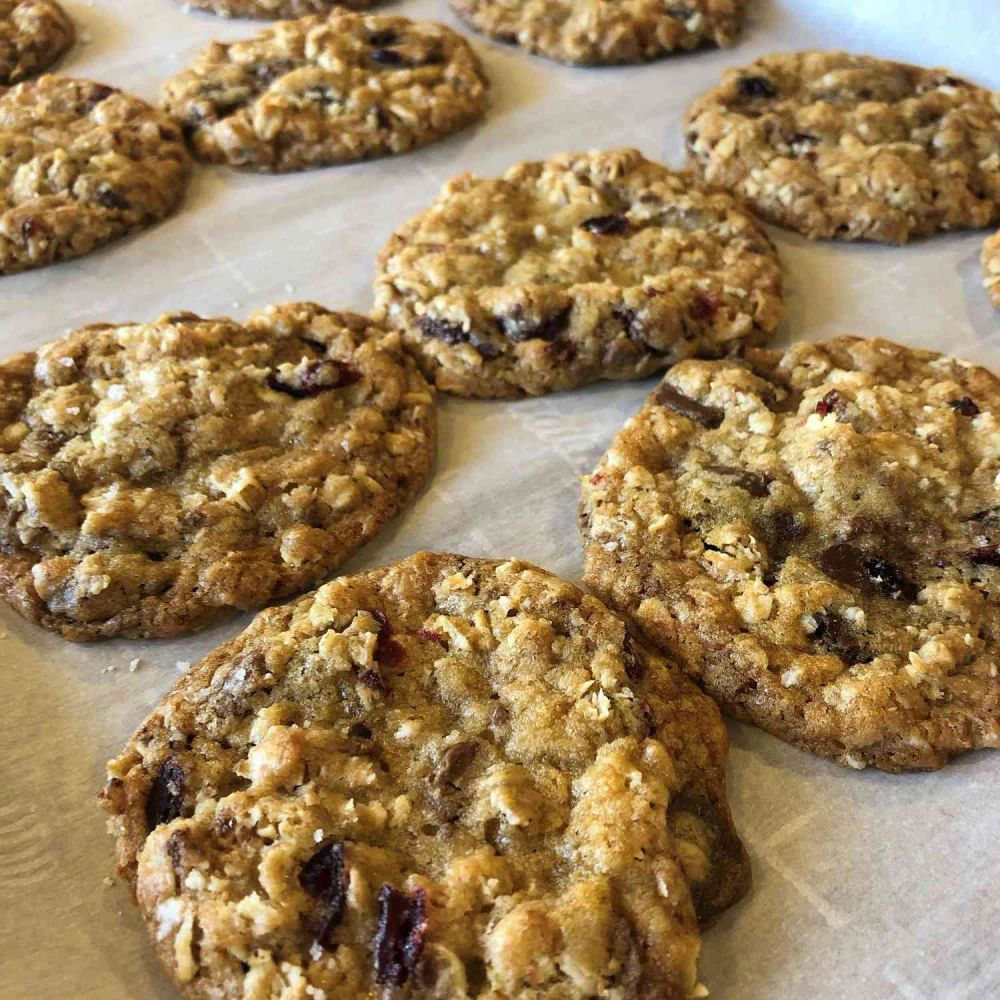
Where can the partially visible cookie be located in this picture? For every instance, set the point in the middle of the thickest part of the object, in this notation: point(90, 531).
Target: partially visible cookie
point(156, 476)
point(327, 89)
point(81, 164)
point(608, 31)
point(449, 776)
point(33, 35)
point(850, 147)
point(579, 268)
point(991, 268)
point(273, 9)
point(816, 535)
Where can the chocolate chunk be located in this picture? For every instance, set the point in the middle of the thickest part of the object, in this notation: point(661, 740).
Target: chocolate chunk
point(708, 416)
point(966, 406)
point(442, 329)
point(310, 378)
point(605, 225)
point(387, 57)
point(519, 328)
point(985, 555)
point(484, 348)
point(399, 938)
point(755, 483)
point(890, 581)
point(360, 731)
point(165, 799)
point(380, 39)
point(454, 761)
point(847, 564)
point(834, 634)
point(110, 198)
point(830, 403)
point(756, 86)
point(322, 876)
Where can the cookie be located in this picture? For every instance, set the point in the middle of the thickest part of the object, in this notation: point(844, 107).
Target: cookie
point(33, 35)
point(273, 9)
point(81, 164)
point(154, 477)
point(849, 147)
point(624, 31)
point(580, 268)
point(991, 268)
point(452, 776)
point(327, 89)
point(816, 536)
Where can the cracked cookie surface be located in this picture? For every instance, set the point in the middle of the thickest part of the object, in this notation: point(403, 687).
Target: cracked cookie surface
point(453, 777)
point(273, 9)
point(991, 268)
point(81, 164)
point(816, 535)
point(575, 269)
point(327, 89)
point(33, 35)
point(850, 147)
point(601, 32)
point(154, 477)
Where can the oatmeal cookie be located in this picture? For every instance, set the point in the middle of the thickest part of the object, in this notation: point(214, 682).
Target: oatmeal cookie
point(81, 164)
point(155, 476)
point(840, 146)
point(580, 268)
point(458, 776)
point(604, 32)
point(816, 535)
point(273, 9)
point(327, 89)
point(991, 268)
point(33, 35)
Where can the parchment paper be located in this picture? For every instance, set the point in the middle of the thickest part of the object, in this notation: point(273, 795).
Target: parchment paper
point(865, 885)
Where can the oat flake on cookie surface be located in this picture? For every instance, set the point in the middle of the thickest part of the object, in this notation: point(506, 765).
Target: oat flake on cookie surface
point(81, 164)
point(601, 32)
point(327, 89)
point(154, 477)
point(851, 147)
point(447, 777)
point(815, 534)
point(33, 35)
point(579, 268)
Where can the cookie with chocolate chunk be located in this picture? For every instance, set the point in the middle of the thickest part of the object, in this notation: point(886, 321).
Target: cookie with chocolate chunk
point(81, 164)
point(157, 476)
point(850, 147)
point(815, 534)
point(449, 776)
point(327, 89)
point(579, 268)
point(626, 31)
point(991, 268)
point(33, 36)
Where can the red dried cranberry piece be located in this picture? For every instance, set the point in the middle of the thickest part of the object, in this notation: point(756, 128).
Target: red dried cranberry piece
point(708, 416)
point(310, 378)
point(830, 403)
point(322, 876)
point(966, 406)
point(756, 86)
point(430, 636)
point(399, 939)
point(373, 679)
point(605, 225)
point(704, 306)
point(985, 555)
point(166, 794)
point(387, 650)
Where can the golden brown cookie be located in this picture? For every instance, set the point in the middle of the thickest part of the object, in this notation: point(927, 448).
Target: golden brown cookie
point(33, 36)
point(991, 268)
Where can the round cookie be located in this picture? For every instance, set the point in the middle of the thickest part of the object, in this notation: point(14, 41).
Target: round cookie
point(81, 164)
point(606, 31)
point(458, 776)
point(154, 477)
point(273, 9)
point(815, 534)
point(33, 35)
point(327, 89)
point(850, 147)
point(579, 268)
point(991, 268)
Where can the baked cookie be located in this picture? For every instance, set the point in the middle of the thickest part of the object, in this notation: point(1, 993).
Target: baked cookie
point(991, 268)
point(840, 146)
point(605, 31)
point(456, 777)
point(81, 164)
point(273, 9)
point(583, 267)
point(155, 476)
point(328, 89)
point(33, 35)
point(816, 535)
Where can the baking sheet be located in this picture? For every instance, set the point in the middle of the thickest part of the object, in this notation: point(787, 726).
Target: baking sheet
point(866, 885)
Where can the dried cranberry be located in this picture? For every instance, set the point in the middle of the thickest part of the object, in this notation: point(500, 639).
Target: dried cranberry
point(756, 86)
point(310, 378)
point(399, 938)
point(708, 416)
point(755, 483)
point(110, 198)
point(322, 876)
point(830, 403)
point(166, 794)
point(430, 636)
point(373, 679)
point(31, 227)
point(649, 716)
point(517, 328)
point(985, 555)
point(605, 225)
point(704, 306)
point(966, 406)
point(387, 650)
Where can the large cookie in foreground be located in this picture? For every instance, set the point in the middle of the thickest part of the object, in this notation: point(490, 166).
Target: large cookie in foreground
point(603, 33)
point(33, 35)
point(816, 535)
point(327, 89)
point(81, 164)
point(450, 777)
point(154, 477)
point(579, 268)
point(851, 147)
